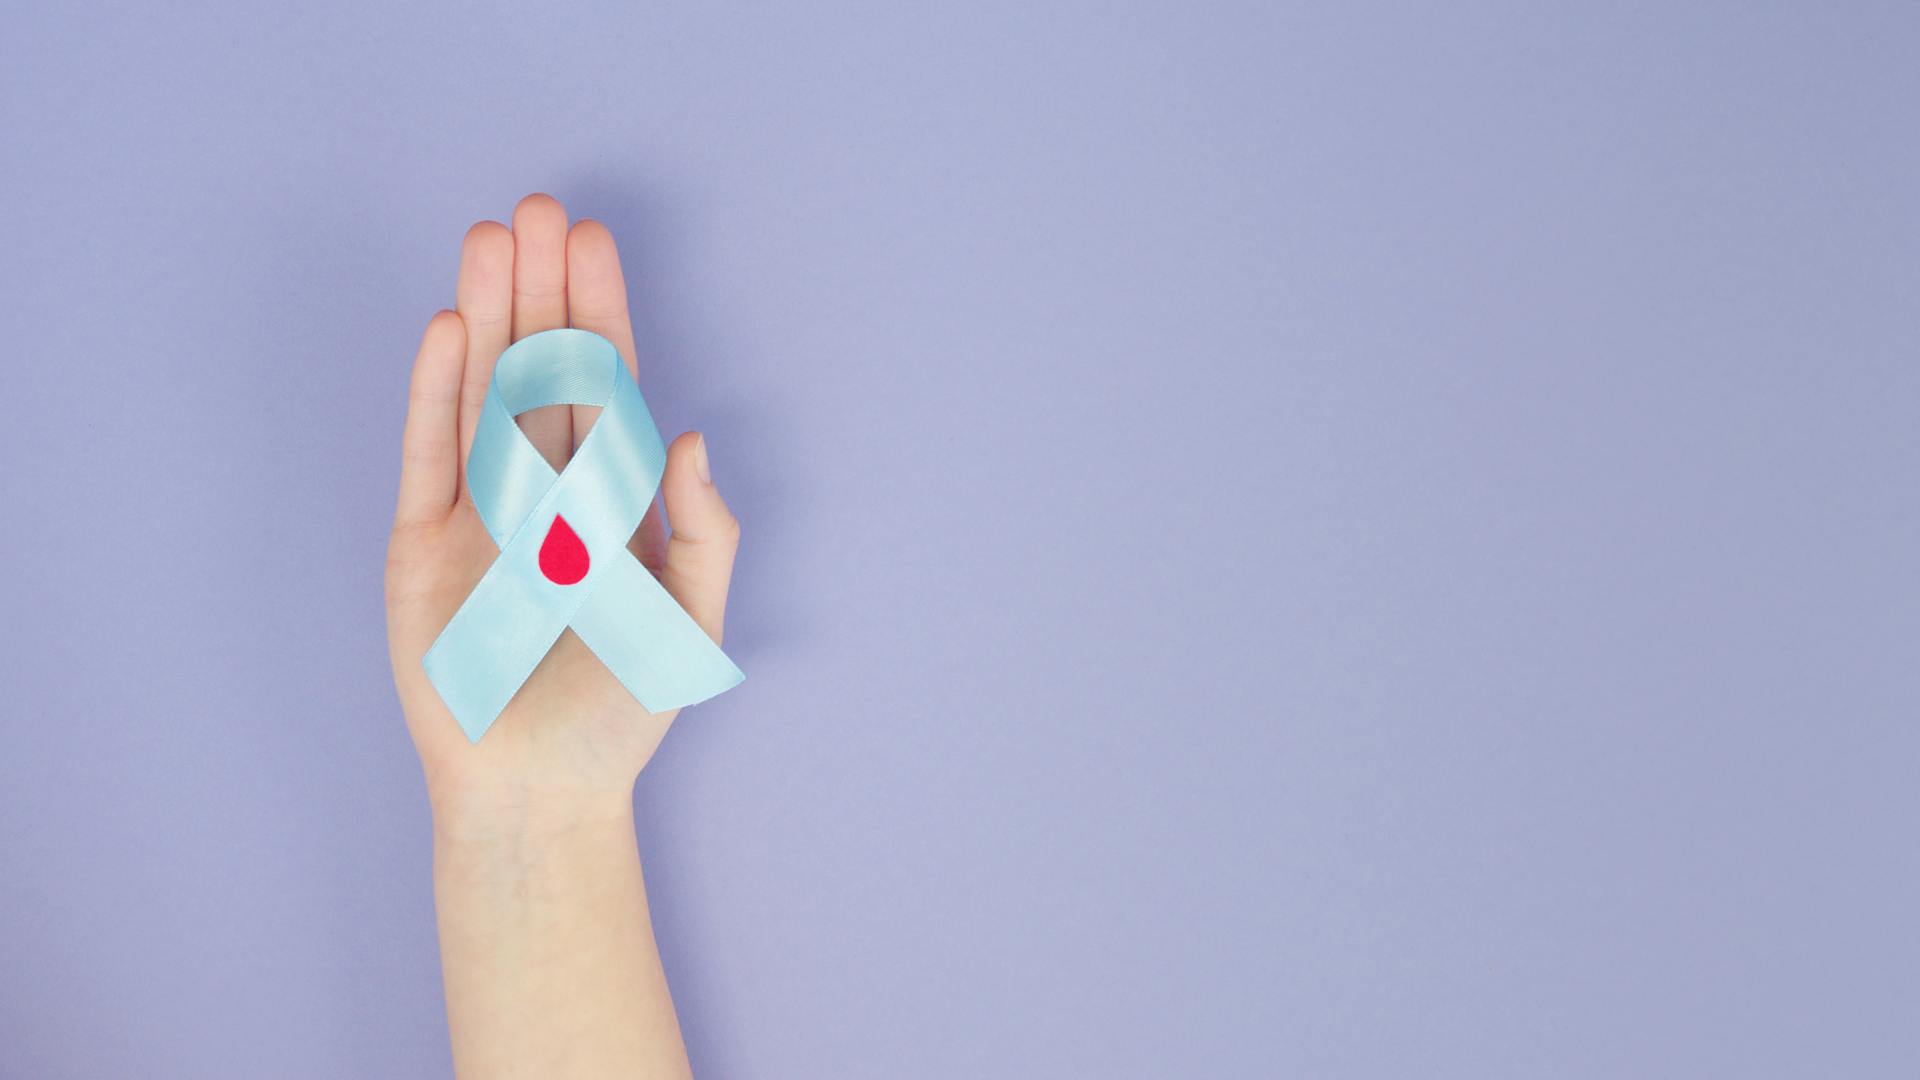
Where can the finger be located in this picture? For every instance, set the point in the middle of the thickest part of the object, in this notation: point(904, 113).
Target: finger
point(484, 298)
point(597, 301)
point(596, 289)
point(700, 552)
point(430, 445)
point(540, 303)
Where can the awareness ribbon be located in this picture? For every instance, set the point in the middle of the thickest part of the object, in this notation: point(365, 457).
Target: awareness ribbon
point(563, 544)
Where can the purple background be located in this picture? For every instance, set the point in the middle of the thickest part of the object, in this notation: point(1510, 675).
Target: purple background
point(1329, 541)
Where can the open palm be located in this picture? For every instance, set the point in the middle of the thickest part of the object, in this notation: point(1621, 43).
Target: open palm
point(572, 728)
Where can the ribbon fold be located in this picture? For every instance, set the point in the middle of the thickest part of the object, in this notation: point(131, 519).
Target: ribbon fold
point(563, 544)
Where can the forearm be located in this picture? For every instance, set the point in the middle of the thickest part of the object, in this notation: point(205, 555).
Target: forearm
point(547, 945)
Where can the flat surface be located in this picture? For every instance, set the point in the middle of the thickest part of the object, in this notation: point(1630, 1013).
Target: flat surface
point(1336, 541)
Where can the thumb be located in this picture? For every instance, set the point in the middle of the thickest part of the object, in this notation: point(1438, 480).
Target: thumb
point(699, 562)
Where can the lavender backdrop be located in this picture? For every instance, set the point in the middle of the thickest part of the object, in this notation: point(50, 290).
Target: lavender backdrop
point(1329, 541)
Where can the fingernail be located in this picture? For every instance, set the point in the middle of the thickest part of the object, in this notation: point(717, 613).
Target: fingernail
point(700, 461)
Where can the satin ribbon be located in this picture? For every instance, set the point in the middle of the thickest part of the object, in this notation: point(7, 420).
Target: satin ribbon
point(563, 544)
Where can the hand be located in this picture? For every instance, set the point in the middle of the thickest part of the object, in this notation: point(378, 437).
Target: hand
point(573, 737)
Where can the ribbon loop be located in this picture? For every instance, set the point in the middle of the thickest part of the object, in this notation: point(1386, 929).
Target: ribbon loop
point(563, 544)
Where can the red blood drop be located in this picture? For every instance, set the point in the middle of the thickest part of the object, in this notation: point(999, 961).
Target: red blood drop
point(563, 558)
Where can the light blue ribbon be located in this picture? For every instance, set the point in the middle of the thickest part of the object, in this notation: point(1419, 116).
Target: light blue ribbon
point(516, 612)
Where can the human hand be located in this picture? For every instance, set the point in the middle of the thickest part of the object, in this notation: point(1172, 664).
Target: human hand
point(573, 739)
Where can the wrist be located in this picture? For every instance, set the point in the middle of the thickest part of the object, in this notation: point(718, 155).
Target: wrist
point(470, 815)
point(543, 856)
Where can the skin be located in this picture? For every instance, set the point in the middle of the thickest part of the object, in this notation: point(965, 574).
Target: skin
point(546, 943)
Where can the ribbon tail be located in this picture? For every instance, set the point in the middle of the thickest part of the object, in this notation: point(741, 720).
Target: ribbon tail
point(650, 643)
point(496, 639)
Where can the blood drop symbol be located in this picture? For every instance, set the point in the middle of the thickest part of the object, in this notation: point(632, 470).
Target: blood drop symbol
point(563, 558)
